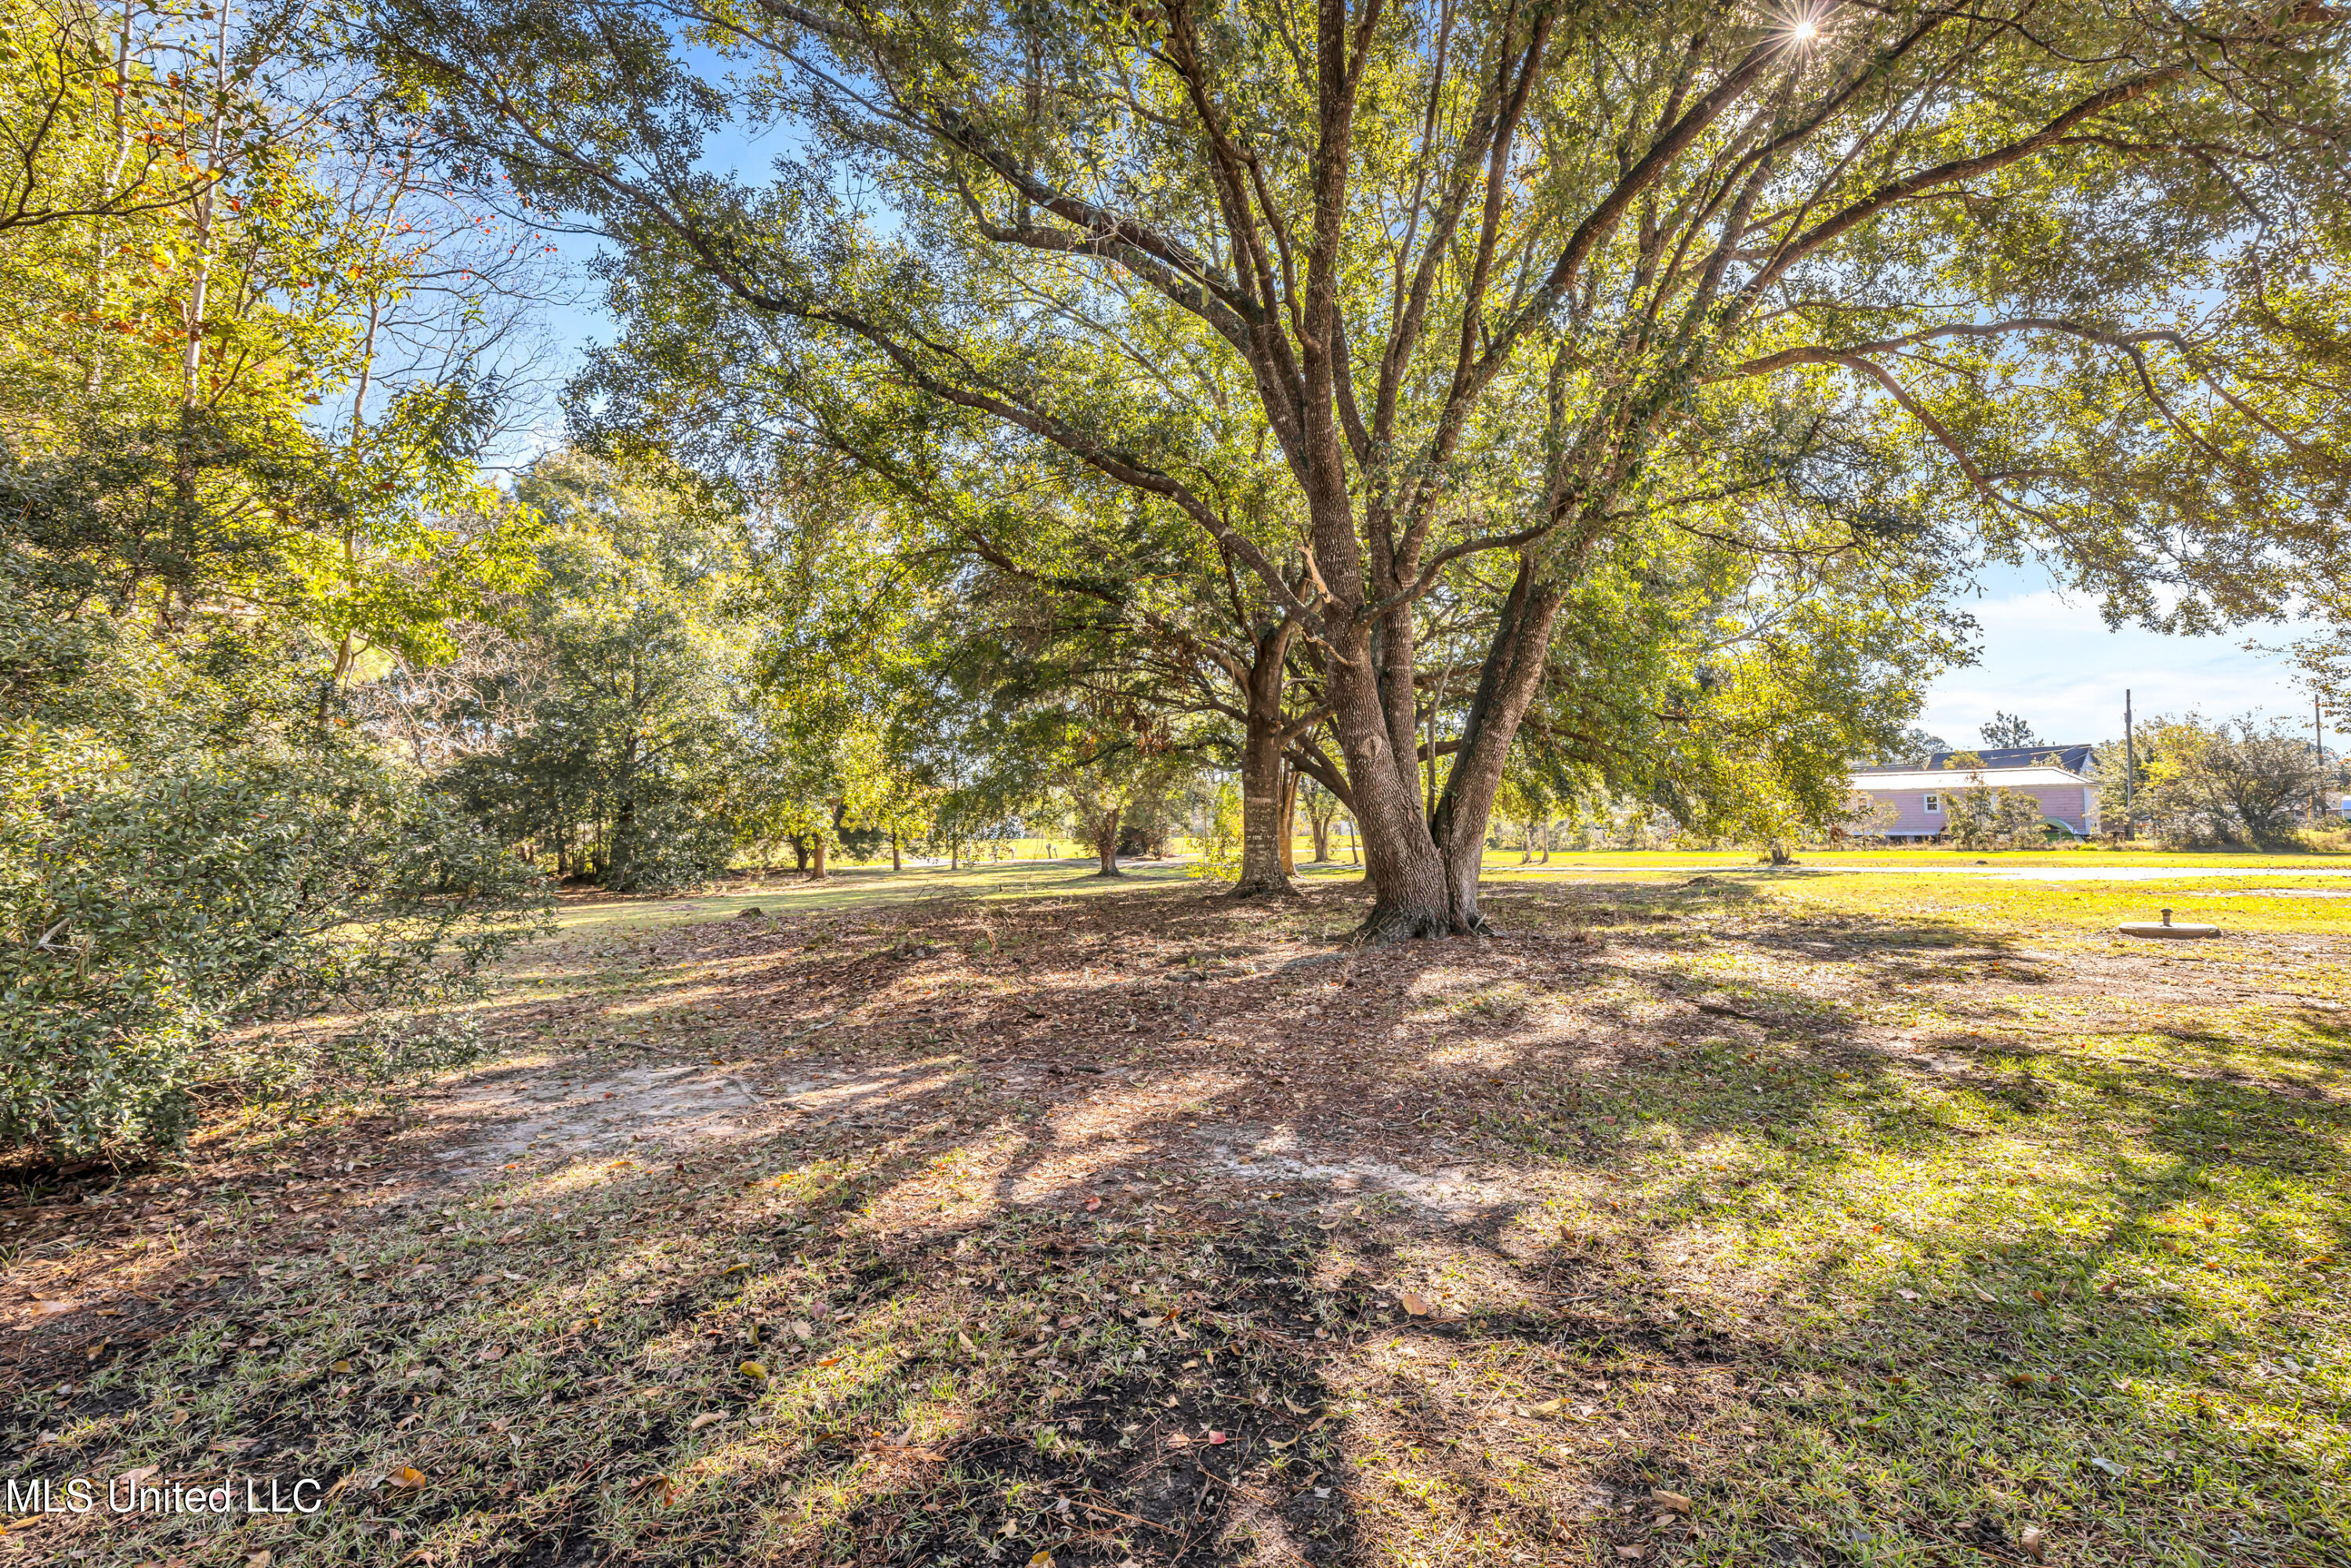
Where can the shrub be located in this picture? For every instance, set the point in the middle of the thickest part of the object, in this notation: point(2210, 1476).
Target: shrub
point(1988, 818)
point(149, 902)
point(2238, 781)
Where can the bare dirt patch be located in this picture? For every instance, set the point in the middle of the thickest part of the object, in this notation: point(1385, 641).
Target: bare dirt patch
point(497, 1116)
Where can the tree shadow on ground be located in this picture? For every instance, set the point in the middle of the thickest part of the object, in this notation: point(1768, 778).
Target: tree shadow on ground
point(998, 1332)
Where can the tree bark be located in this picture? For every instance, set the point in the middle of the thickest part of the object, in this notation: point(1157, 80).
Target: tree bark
point(800, 854)
point(1506, 687)
point(1400, 856)
point(1264, 868)
point(1261, 870)
point(896, 864)
point(816, 872)
point(1289, 830)
point(624, 851)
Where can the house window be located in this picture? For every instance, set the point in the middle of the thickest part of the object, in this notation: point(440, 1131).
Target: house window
point(1934, 803)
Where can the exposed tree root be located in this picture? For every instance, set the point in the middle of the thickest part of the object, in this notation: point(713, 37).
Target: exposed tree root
point(1266, 887)
point(1385, 926)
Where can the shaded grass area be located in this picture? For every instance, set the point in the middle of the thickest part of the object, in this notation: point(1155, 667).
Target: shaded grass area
point(854, 887)
point(1717, 1222)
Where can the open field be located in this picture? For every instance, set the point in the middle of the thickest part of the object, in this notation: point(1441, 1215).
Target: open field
point(1712, 1214)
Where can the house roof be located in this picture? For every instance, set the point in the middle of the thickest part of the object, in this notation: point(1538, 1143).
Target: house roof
point(2082, 759)
point(1968, 778)
point(2077, 759)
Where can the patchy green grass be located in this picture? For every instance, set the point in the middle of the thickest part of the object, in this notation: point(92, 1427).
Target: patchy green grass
point(2081, 859)
point(1743, 1218)
point(2238, 904)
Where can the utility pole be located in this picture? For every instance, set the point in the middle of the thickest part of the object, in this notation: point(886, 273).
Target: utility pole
point(2130, 762)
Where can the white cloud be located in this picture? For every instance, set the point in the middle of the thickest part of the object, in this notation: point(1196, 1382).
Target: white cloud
point(2052, 660)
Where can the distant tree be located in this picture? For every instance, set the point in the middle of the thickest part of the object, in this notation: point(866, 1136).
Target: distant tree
point(2240, 782)
point(1101, 769)
point(623, 765)
point(837, 661)
point(1531, 797)
point(1911, 749)
point(1870, 816)
point(1322, 811)
point(2006, 731)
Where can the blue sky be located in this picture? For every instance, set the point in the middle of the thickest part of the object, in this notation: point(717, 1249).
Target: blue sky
point(2049, 657)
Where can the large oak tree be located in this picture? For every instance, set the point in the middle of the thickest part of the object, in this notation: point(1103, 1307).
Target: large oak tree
point(1506, 277)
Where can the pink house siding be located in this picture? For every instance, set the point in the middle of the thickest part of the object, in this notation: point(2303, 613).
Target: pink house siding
point(2073, 805)
point(1912, 820)
point(2072, 800)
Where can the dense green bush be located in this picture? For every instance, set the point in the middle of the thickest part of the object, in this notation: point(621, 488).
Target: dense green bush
point(150, 899)
point(2245, 781)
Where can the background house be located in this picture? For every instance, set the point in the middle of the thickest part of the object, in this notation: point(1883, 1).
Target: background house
point(1913, 805)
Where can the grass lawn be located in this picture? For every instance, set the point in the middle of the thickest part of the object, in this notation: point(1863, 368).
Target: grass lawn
point(1714, 1215)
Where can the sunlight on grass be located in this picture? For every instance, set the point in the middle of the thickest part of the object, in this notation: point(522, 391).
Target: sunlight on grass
point(1842, 1211)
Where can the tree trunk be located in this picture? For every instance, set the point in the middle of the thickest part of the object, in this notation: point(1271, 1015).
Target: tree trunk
point(1407, 874)
point(624, 851)
point(800, 855)
point(1106, 842)
point(816, 872)
point(1288, 820)
point(1320, 826)
point(1546, 860)
point(894, 863)
point(1506, 687)
point(1265, 869)
point(1261, 871)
